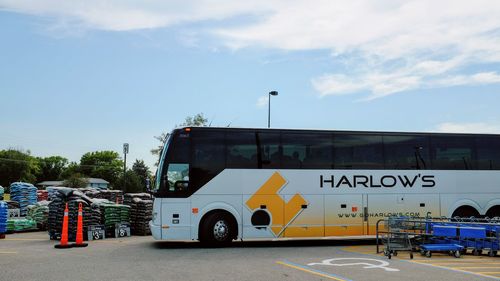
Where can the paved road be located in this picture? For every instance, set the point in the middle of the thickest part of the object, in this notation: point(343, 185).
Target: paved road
point(31, 256)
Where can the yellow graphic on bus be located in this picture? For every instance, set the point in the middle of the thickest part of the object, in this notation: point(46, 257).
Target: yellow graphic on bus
point(282, 213)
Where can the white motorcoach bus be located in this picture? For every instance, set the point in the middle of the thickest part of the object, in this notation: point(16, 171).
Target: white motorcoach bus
point(221, 184)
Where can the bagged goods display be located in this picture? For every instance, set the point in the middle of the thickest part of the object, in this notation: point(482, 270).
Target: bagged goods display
point(62, 195)
point(141, 214)
point(24, 194)
point(20, 224)
point(3, 217)
point(39, 213)
point(112, 214)
point(115, 196)
point(127, 198)
point(42, 195)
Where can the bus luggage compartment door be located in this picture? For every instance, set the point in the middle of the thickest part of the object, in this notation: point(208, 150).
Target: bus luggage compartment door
point(304, 216)
point(344, 215)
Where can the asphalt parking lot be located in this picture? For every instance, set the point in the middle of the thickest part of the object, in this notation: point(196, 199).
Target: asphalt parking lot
point(31, 256)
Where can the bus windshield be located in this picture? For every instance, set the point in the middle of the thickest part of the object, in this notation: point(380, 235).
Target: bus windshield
point(161, 162)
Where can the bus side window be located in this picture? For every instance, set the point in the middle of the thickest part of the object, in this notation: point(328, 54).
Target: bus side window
point(176, 166)
point(453, 152)
point(178, 177)
point(311, 151)
point(270, 152)
point(406, 152)
point(241, 150)
point(358, 151)
point(208, 158)
point(488, 152)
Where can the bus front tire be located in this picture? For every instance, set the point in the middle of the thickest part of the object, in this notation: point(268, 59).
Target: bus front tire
point(217, 230)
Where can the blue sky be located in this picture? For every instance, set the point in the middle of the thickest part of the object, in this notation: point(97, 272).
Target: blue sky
point(79, 76)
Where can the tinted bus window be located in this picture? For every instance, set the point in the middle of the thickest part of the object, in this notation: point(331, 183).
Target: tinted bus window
point(358, 151)
point(488, 153)
point(452, 152)
point(178, 149)
point(269, 150)
point(208, 158)
point(406, 152)
point(174, 179)
point(241, 150)
point(308, 151)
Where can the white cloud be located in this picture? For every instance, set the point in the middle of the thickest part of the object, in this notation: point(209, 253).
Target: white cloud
point(262, 101)
point(381, 47)
point(381, 85)
point(122, 15)
point(450, 127)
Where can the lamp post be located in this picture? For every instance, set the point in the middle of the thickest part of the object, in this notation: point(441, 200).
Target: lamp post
point(272, 93)
point(125, 151)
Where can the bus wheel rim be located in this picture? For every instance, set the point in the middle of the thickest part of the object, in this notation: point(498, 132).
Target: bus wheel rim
point(221, 230)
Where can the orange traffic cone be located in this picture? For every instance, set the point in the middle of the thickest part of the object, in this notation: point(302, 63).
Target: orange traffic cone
point(79, 229)
point(64, 235)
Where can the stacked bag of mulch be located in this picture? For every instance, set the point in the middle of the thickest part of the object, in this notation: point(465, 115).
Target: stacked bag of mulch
point(141, 212)
point(112, 213)
point(12, 204)
point(40, 214)
point(1, 193)
point(24, 193)
point(114, 196)
point(20, 224)
point(53, 192)
point(3, 217)
point(61, 196)
point(42, 195)
point(127, 198)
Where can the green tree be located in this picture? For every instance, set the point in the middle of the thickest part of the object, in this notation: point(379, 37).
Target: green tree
point(197, 120)
point(17, 165)
point(71, 169)
point(142, 171)
point(51, 167)
point(76, 181)
point(102, 164)
point(131, 184)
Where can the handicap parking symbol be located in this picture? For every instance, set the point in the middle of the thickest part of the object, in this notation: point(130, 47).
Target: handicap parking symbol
point(366, 263)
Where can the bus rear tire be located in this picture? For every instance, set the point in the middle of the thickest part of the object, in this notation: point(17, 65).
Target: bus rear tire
point(217, 230)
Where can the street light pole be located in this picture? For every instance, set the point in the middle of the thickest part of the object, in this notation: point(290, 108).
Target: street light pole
point(272, 93)
point(125, 151)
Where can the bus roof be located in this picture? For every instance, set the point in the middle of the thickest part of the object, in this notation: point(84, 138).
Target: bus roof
point(333, 131)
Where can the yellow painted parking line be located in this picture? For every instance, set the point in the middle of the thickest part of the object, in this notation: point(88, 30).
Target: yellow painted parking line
point(8, 252)
point(475, 267)
point(460, 270)
point(492, 273)
point(325, 275)
point(462, 263)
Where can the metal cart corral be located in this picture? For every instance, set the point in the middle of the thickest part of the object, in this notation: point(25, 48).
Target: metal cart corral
point(395, 242)
point(429, 235)
point(399, 235)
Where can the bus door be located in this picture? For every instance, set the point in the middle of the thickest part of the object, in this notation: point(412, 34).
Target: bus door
point(304, 216)
point(175, 219)
point(344, 215)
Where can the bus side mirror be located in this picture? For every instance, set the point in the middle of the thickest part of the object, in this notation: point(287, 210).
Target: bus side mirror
point(181, 185)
